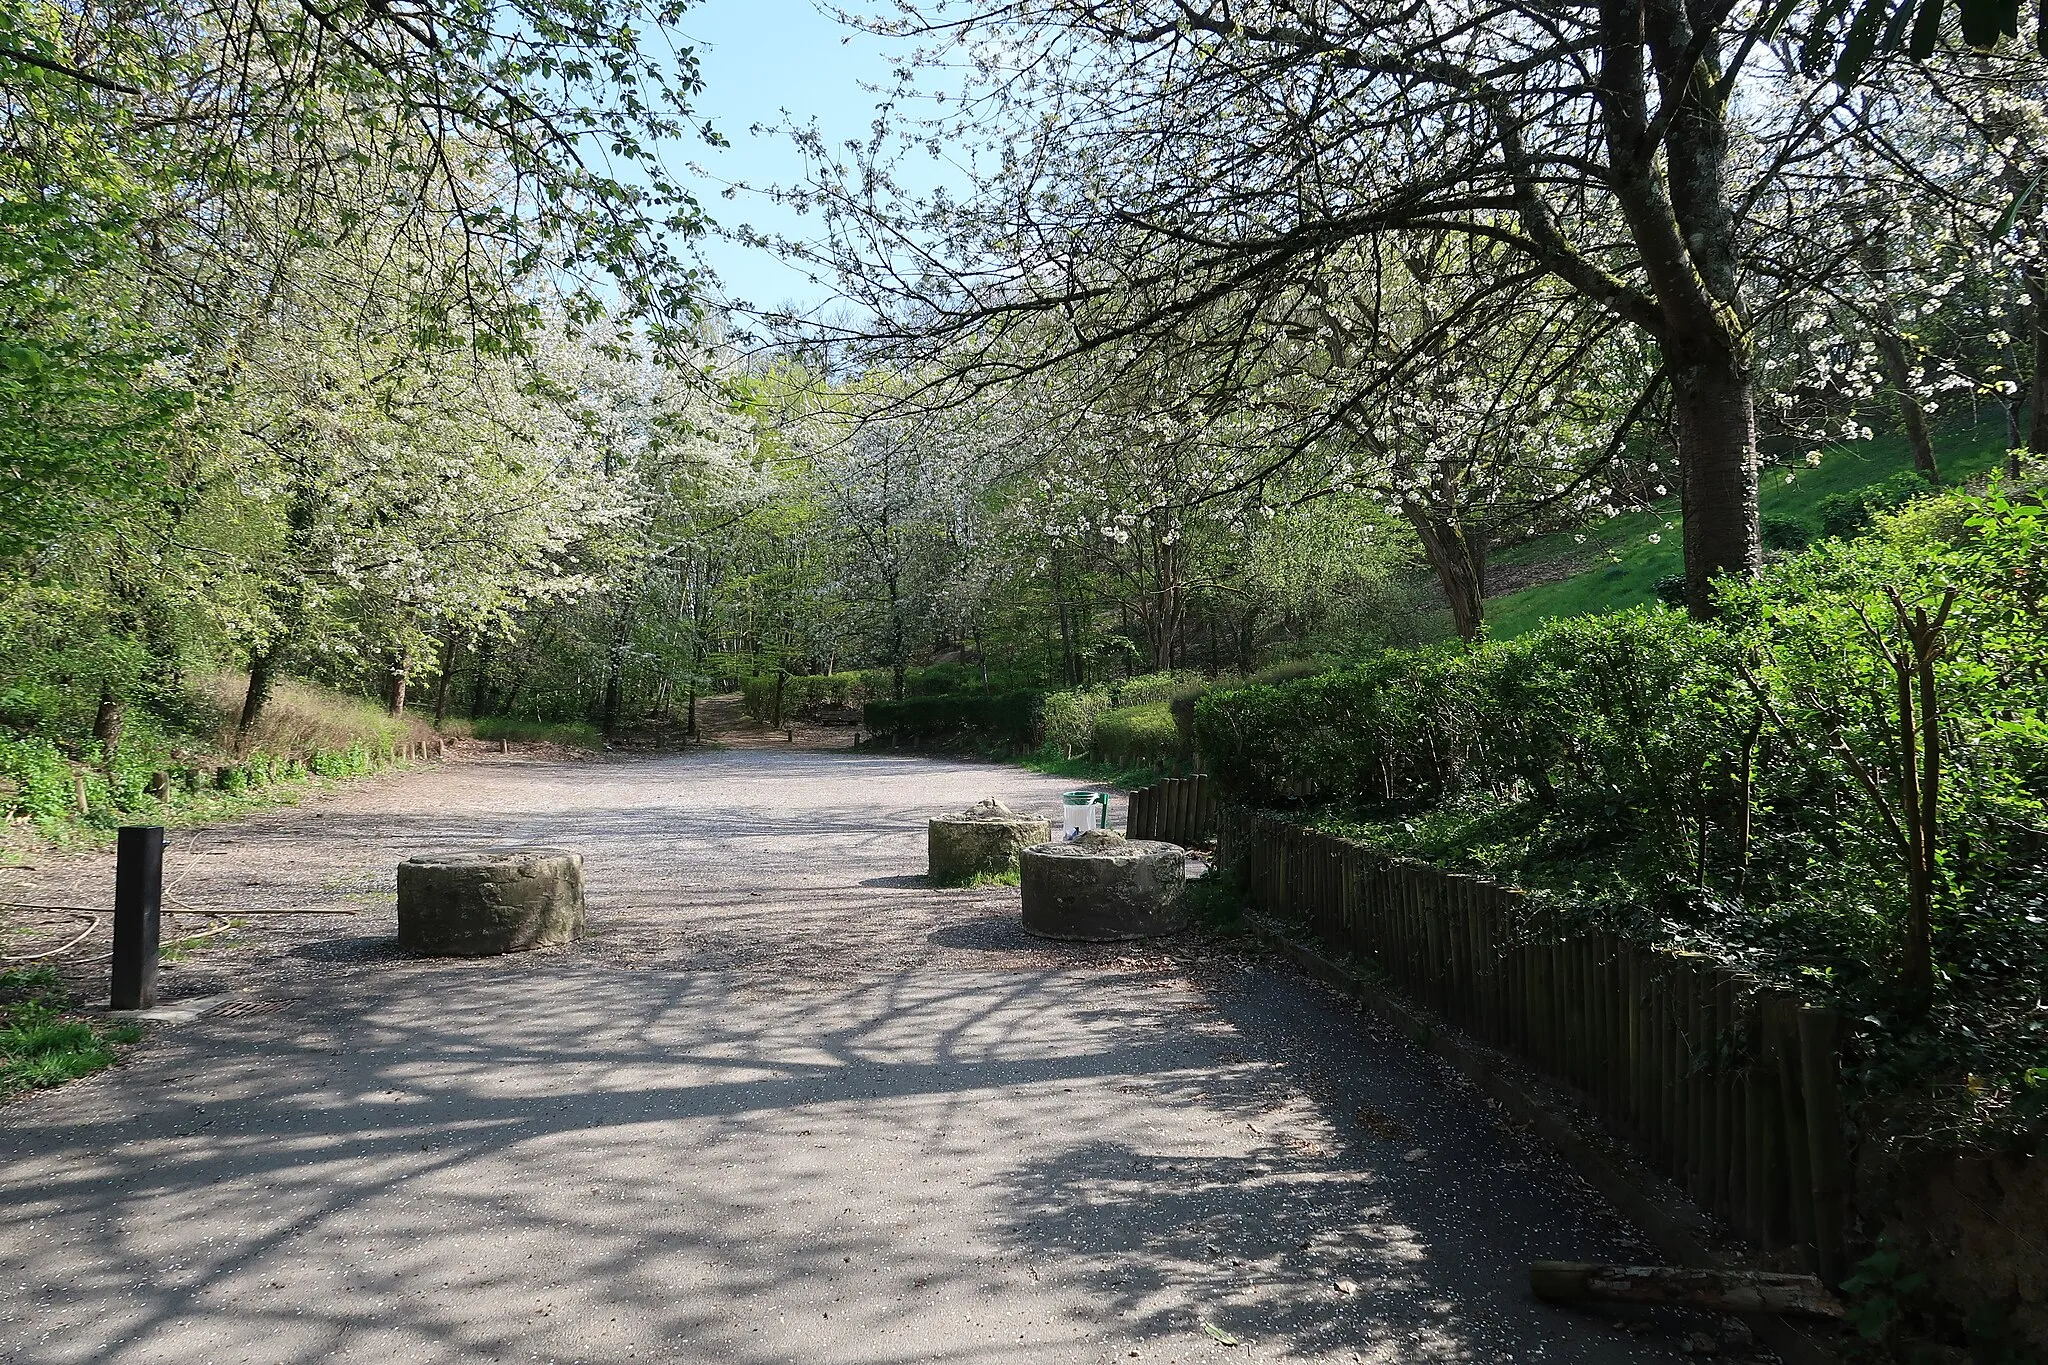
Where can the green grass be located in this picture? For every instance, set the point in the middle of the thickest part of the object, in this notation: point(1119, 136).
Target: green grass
point(41, 1044)
point(1099, 771)
point(573, 734)
point(1624, 564)
point(1009, 876)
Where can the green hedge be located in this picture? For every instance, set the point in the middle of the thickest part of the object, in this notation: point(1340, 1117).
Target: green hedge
point(1135, 736)
point(1730, 785)
point(1008, 719)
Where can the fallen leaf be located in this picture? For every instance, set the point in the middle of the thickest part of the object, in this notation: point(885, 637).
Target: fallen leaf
point(1219, 1334)
point(1346, 1287)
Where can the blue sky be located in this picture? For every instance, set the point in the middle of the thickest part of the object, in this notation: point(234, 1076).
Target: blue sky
point(759, 59)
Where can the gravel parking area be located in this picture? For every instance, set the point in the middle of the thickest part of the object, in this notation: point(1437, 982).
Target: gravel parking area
point(784, 1104)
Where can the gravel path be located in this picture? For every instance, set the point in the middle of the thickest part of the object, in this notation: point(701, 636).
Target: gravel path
point(783, 1105)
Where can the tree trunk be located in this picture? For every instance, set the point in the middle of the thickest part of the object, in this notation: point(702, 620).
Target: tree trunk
point(480, 685)
point(106, 726)
point(443, 683)
point(1912, 417)
point(394, 695)
point(2037, 429)
point(1718, 466)
point(262, 664)
point(1458, 554)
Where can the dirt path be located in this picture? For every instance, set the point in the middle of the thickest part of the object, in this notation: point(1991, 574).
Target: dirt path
point(783, 1105)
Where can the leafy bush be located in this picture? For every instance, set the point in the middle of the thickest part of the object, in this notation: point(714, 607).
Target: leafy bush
point(1286, 671)
point(1733, 786)
point(1670, 589)
point(1006, 719)
point(1786, 534)
point(1150, 687)
point(1137, 735)
point(1843, 515)
point(1067, 719)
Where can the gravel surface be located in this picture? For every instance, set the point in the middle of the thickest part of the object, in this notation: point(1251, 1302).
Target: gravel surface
point(783, 1105)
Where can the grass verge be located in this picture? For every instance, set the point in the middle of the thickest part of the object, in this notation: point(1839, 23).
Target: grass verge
point(570, 734)
point(1626, 555)
point(41, 1043)
point(1009, 876)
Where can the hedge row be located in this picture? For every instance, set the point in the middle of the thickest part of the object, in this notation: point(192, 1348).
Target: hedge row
point(1735, 785)
point(1008, 719)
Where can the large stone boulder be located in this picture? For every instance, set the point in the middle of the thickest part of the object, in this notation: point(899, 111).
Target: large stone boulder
point(495, 901)
point(1101, 887)
point(983, 840)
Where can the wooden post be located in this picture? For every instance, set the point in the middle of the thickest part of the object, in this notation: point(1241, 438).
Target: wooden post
point(138, 907)
point(1819, 1047)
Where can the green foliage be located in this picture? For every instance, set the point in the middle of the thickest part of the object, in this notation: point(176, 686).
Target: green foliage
point(1067, 719)
point(1783, 534)
point(1851, 513)
point(809, 696)
point(569, 734)
point(40, 1043)
point(1727, 785)
point(1005, 719)
point(1614, 564)
point(1138, 735)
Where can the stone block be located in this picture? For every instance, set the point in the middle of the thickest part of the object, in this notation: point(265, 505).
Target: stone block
point(1102, 887)
point(494, 901)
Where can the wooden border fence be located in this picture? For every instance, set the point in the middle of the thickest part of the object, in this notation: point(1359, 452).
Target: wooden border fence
point(1180, 810)
point(1728, 1087)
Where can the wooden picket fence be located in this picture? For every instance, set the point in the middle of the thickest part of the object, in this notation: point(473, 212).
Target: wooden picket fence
point(1179, 810)
point(1727, 1087)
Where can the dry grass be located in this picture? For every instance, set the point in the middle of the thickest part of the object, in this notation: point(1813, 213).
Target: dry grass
point(302, 719)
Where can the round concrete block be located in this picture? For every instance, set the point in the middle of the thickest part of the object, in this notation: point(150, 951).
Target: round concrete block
point(1101, 887)
point(496, 901)
point(983, 840)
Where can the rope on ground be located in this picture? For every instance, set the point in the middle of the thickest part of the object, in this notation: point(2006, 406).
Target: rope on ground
point(92, 922)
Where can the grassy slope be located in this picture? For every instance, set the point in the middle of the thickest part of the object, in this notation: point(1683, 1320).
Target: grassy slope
point(1624, 566)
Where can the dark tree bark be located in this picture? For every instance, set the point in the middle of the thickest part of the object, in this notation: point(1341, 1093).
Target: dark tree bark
point(106, 724)
point(443, 683)
point(262, 670)
point(2037, 430)
point(1718, 458)
point(1912, 417)
point(394, 684)
point(1458, 555)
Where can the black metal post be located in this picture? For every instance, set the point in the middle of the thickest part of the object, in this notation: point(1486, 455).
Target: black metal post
point(138, 904)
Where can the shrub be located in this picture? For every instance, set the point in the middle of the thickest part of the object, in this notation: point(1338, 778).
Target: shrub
point(1843, 515)
point(1067, 719)
point(1670, 590)
point(1286, 671)
point(1007, 719)
point(570, 734)
point(1150, 687)
point(1732, 785)
point(1786, 534)
point(1134, 736)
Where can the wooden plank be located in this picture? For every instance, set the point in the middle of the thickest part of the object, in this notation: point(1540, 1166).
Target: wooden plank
point(1722, 1291)
point(1819, 1032)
